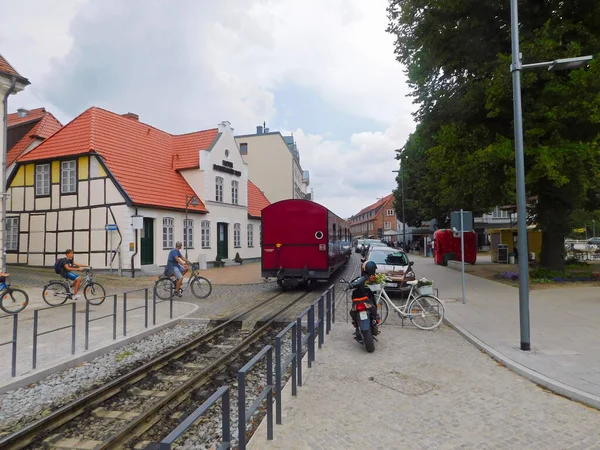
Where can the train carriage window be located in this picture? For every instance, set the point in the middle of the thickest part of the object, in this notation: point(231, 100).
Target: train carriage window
point(334, 233)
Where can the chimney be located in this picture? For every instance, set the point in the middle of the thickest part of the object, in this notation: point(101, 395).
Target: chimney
point(225, 126)
point(132, 116)
point(266, 130)
point(22, 112)
point(259, 130)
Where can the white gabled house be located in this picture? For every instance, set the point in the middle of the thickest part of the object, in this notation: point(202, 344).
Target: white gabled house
point(104, 170)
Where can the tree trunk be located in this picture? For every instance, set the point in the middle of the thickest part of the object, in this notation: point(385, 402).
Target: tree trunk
point(553, 250)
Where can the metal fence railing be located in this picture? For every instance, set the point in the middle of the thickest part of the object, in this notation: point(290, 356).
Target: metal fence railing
point(125, 310)
point(88, 320)
point(13, 341)
point(222, 392)
point(155, 302)
point(281, 367)
point(36, 315)
point(266, 393)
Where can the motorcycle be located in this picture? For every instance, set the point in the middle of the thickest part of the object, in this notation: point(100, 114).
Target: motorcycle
point(366, 323)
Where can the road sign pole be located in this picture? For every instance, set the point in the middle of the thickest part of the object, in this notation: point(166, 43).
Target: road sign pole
point(462, 253)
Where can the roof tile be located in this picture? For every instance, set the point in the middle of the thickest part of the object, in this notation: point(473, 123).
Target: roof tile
point(138, 155)
point(256, 200)
point(7, 69)
point(186, 148)
point(46, 126)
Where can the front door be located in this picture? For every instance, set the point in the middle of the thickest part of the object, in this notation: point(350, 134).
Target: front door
point(222, 247)
point(147, 241)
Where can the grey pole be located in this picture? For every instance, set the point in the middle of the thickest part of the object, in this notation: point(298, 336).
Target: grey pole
point(520, 166)
point(403, 218)
point(185, 225)
point(4, 167)
point(462, 253)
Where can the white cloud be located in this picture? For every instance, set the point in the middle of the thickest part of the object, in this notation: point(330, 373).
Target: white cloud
point(184, 65)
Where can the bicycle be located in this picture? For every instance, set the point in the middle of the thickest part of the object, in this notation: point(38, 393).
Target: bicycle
point(165, 285)
point(18, 299)
point(417, 307)
point(57, 292)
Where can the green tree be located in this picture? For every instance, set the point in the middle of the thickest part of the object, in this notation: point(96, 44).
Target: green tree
point(457, 55)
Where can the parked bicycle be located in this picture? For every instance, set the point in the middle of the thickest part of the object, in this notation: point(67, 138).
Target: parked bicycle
point(57, 292)
point(12, 300)
point(425, 311)
point(165, 285)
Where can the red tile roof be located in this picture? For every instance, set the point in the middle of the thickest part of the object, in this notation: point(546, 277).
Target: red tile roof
point(34, 114)
point(138, 155)
point(375, 205)
point(7, 69)
point(45, 127)
point(256, 200)
point(186, 148)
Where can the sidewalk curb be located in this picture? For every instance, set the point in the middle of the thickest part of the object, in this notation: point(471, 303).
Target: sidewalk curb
point(553, 385)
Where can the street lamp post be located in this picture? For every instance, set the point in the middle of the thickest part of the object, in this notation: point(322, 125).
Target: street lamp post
point(382, 217)
point(189, 200)
point(516, 67)
point(401, 171)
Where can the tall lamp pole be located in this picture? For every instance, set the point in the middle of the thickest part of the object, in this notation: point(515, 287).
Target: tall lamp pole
point(382, 216)
point(515, 68)
point(189, 200)
point(401, 171)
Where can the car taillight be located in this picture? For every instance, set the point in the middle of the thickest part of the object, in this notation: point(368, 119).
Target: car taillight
point(361, 307)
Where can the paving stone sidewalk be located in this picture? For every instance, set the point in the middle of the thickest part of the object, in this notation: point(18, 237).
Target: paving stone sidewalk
point(422, 390)
point(564, 326)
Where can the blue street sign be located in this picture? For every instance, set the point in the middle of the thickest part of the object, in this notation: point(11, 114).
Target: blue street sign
point(110, 227)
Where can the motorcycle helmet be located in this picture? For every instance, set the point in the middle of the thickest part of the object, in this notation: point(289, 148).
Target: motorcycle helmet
point(370, 268)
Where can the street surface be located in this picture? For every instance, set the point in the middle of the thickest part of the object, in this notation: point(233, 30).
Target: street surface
point(422, 390)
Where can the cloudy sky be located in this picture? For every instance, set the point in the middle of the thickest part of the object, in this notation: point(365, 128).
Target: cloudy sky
point(322, 69)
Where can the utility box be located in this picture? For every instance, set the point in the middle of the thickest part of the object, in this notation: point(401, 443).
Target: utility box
point(502, 251)
point(202, 261)
point(509, 236)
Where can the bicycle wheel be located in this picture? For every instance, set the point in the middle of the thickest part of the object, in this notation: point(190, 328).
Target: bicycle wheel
point(164, 288)
point(383, 310)
point(55, 293)
point(13, 301)
point(94, 293)
point(426, 312)
point(201, 287)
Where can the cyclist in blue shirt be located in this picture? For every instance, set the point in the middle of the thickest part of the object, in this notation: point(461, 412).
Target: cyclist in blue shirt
point(177, 265)
point(68, 268)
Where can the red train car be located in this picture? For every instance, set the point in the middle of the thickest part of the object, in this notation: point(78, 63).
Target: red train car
point(447, 247)
point(302, 241)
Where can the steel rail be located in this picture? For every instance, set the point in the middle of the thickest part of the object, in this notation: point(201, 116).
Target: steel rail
point(64, 414)
point(153, 414)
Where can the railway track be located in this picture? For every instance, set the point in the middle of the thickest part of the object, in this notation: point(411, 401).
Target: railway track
point(123, 410)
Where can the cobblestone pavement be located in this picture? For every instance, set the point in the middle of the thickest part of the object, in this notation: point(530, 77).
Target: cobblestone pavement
point(422, 390)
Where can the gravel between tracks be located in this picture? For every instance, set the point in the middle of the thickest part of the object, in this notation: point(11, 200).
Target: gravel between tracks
point(24, 405)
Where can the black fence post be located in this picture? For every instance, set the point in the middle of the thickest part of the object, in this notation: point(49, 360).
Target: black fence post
point(333, 303)
point(328, 307)
point(115, 317)
point(311, 333)
point(35, 333)
point(295, 360)
point(321, 320)
point(74, 330)
point(125, 314)
point(13, 371)
point(270, 394)
point(225, 418)
point(278, 380)
point(146, 310)
point(242, 410)
point(299, 348)
point(87, 324)
point(154, 306)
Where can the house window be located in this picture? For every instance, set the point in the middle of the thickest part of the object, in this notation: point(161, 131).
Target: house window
point(390, 212)
point(42, 179)
point(250, 235)
point(388, 225)
point(168, 232)
point(188, 233)
point(12, 234)
point(219, 189)
point(244, 148)
point(205, 234)
point(499, 213)
point(237, 235)
point(234, 192)
point(68, 177)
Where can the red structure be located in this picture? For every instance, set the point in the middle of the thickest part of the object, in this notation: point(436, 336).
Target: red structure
point(447, 247)
point(302, 240)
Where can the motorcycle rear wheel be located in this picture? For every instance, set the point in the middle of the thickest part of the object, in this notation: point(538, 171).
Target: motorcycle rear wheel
point(368, 340)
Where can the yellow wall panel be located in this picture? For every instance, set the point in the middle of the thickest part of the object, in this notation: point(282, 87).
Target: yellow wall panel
point(83, 168)
point(19, 179)
point(55, 172)
point(29, 174)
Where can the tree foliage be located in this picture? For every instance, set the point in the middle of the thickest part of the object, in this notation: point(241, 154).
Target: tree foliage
point(457, 58)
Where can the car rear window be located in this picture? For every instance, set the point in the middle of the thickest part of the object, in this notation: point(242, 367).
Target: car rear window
point(389, 258)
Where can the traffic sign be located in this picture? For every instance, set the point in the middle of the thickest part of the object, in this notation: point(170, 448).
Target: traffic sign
point(110, 227)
